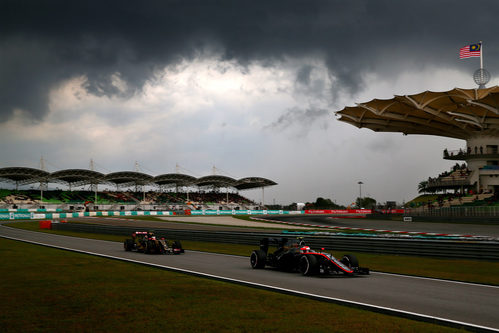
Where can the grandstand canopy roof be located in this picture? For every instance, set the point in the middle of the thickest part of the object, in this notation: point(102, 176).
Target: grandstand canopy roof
point(177, 179)
point(216, 180)
point(253, 182)
point(458, 113)
point(23, 175)
point(77, 177)
point(128, 178)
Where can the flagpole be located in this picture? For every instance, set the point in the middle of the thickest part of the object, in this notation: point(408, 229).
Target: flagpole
point(481, 55)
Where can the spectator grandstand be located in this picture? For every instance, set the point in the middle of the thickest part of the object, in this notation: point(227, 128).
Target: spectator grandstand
point(113, 200)
point(467, 114)
point(456, 179)
point(166, 192)
point(451, 188)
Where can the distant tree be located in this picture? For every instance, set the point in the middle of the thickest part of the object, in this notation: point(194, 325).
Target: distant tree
point(321, 203)
point(292, 206)
point(422, 186)
point(366, 202)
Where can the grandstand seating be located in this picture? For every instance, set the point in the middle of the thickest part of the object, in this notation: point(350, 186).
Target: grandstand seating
point(490, 167)
point(192, 200)
point(458, 180)
point(458, 175)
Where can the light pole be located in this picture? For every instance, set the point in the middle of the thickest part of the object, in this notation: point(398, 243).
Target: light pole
point(360, 193)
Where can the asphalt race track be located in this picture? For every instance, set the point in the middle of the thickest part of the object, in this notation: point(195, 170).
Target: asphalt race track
point(461, 303)
point(446, 228)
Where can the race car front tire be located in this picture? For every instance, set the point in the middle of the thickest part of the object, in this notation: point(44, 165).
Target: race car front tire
point(350, 261)
point(177, 245)
point(147, 248)
point(309, 265)
point(258, 259)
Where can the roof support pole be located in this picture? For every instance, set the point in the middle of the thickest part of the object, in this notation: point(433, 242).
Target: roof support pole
point(478, 183)
point(263, 196)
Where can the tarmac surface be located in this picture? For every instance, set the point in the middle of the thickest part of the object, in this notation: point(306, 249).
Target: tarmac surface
point(227, 223)
point(440, 300)
point(430, 227)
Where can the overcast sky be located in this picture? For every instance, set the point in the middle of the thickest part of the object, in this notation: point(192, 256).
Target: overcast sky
point(249, 87)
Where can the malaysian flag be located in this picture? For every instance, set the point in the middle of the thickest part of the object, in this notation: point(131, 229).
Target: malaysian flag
point(469, 51)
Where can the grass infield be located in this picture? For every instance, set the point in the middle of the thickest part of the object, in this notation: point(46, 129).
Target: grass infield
point(50, 290)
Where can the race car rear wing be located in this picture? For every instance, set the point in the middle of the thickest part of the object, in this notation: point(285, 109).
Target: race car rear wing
point(265, 242)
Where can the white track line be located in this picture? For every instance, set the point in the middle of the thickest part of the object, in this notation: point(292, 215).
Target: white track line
point(438, 280)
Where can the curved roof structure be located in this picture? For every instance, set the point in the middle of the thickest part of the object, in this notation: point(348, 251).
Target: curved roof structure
point(177, 179)
point(77, 177)
point(253, 182)
point(128, 178)
point(23, 175)
point(80, 177)
point(458, 113)
point(216, 180)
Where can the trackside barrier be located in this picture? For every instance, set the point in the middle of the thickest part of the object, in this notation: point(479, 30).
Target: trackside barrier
point(460, 211)
point(29, 210)
point(353, 211)
point(242, 212)
point(33, 215)
point(484, 250)
point(25, 214)
point(18, 216)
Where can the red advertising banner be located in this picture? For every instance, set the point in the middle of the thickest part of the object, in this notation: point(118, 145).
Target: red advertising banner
point(352, 211)
point(338, 211)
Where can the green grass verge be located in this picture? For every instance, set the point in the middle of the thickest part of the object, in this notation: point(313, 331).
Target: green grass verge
point(477, 271)
point(50, 290)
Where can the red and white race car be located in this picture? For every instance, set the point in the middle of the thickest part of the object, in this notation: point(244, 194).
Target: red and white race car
point(295, 255)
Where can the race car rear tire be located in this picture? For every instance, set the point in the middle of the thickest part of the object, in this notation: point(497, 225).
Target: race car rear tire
point(128, 244)
point(350, 260)
point(309, 265)
point(258, 259)
point(177, 245)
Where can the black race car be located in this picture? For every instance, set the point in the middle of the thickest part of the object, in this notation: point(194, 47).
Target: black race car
point(146, 242)
point(295, 255)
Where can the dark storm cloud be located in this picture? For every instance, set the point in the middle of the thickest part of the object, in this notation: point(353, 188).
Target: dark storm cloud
point(304, 117)
point(43, 43)
point(303, 75)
